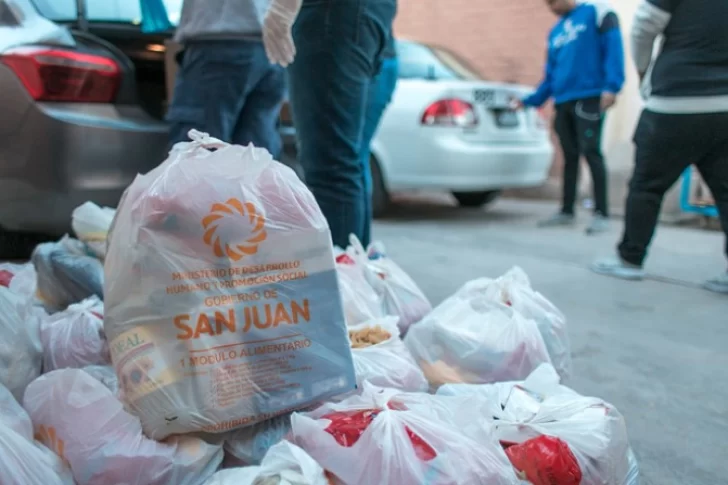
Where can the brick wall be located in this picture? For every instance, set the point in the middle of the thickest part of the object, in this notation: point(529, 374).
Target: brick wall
point(504, 40)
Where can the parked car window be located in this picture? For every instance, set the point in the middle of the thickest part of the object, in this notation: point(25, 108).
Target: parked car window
point(123, 11)
point(421, 61)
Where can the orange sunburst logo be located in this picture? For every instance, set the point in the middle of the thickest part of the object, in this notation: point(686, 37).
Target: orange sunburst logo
point(50, 438)
point(234, 208)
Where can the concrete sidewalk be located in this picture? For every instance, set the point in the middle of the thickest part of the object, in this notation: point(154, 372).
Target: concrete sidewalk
point(657, 349)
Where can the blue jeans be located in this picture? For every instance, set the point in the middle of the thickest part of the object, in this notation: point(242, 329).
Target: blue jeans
point(338, 44)
point(229, 90)
point(380, 94)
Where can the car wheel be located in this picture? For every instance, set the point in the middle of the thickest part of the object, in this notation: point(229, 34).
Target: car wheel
point(380, 196)
point(19, 246)
point(476, 199)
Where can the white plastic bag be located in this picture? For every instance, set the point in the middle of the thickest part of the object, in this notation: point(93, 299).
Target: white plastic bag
point(75, 337)
point(22, 461)
point(66, 274)
point(373, 438)
point(593, 429)
point(400, 295)
point(472, 339)
point(21, 279)
point(222, 306)
point(361, 303)
point(20, 347)
point(91, 225)
point(83, 422)
point(284, 464)
point(105, 375)
point(514, 289)
point(247, 446)
point(389, 363)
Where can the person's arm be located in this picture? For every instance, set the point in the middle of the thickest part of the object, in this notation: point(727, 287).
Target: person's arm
point(545, 89)
point(612, 50)
point(650, 21)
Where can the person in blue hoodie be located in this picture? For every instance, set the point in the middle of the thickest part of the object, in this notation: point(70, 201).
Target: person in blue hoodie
point(584, 73)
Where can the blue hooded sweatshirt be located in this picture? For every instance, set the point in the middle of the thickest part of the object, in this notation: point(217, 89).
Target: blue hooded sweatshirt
point(585, 56)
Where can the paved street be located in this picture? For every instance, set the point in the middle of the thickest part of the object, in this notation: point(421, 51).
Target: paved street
point(656, 349)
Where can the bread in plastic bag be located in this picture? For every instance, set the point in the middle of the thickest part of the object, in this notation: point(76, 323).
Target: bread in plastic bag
point(514, 289)
point(389, 362)
point(471, 339)
point(23, 461)
point(222, 305)
point(20, 346)
point(75, 337)
point(284, 464)
point(361, 303)
point(373, 438)
point(66, 274)
point(91, 225)
point(400, 295)
point(248, 446)
point(539, 406)
point(83, 422)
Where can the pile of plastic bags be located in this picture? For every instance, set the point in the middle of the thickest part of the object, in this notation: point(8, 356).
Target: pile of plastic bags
point(207, 332)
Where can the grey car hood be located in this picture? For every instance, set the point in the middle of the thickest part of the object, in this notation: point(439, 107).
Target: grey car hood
point(30, 27)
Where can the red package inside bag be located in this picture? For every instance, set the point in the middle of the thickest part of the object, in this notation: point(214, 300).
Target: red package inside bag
point(347, 427)
point(5, 278)
point(545, 461)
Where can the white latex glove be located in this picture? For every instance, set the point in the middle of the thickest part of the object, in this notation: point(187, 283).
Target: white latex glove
point(277, 31)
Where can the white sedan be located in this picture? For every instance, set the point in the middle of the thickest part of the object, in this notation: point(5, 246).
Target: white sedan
point(448, 129)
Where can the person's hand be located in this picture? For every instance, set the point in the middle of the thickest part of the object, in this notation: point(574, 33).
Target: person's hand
point(607, 101)
point(517, 104)
point(277, 25)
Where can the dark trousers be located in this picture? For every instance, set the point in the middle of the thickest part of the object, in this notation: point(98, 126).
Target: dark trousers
point(380, 94)
point(230, 90)
point(579, 127)
point(338, 50)
point(667, 145)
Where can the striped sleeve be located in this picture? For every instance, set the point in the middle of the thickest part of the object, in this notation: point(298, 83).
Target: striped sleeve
point(650, 21)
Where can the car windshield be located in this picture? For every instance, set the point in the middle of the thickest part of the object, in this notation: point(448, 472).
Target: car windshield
point(420, 61)
point(121, 11)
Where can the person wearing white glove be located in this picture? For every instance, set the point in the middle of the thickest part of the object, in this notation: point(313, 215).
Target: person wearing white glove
point(333, 51)
point(226, 86)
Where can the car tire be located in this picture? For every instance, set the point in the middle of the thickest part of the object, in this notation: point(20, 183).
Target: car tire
point(476, 199)
point(19, 246)
point(380, 195)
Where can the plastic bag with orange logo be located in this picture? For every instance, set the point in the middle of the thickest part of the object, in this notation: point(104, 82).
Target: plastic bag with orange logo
point(374, 438)
point(284, 464)
point(514, 289)
point(23, 461)
point(75, 337)
point(222, 304)
point(80, 419)
point(20, 346)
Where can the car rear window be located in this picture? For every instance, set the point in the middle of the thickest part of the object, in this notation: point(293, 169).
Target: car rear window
point(122, 11)
point(421, 61)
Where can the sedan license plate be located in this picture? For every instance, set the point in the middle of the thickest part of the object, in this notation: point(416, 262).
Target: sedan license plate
point(506, 118)
point(492, 98)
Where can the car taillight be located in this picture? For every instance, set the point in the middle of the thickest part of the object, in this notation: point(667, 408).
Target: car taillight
point(450, 112)
point(60, 75)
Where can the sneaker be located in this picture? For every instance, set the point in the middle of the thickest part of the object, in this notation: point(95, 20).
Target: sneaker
point(619, 269)
point(598, 225)
point(560, 219)
point(718, 285)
